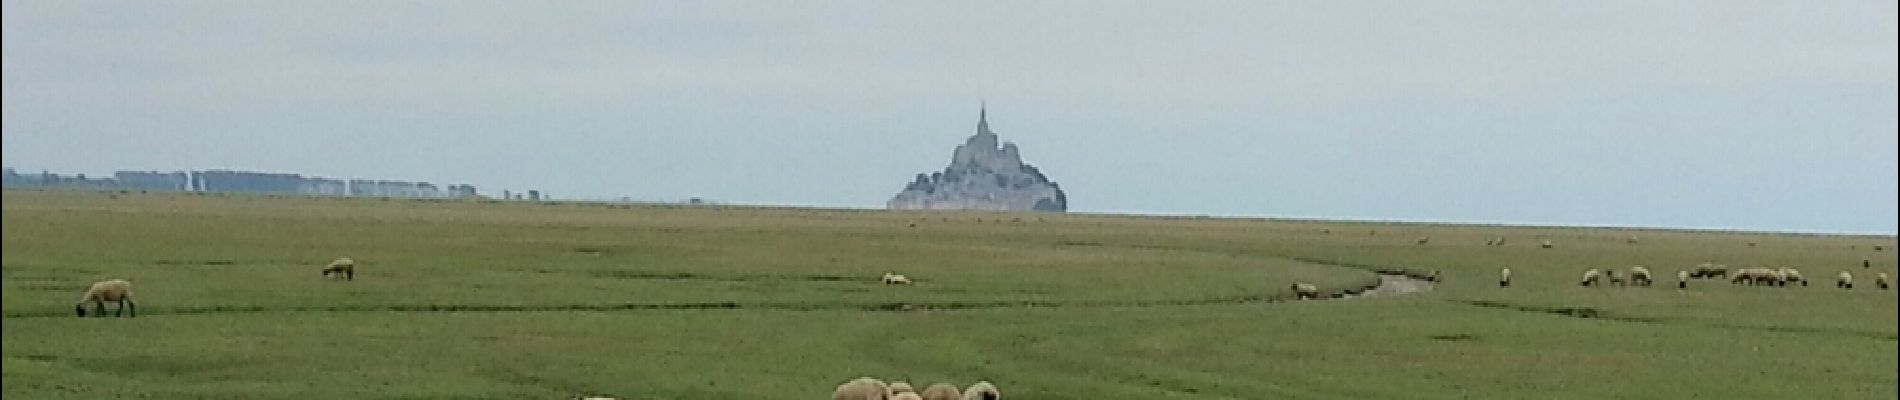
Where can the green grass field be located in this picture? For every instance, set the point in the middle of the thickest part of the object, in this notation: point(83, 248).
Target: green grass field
point(465, 299)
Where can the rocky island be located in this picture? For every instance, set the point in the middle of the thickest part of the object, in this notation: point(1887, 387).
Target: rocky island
point(983, 176)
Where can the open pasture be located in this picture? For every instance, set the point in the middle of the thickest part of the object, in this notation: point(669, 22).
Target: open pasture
point(508, 300)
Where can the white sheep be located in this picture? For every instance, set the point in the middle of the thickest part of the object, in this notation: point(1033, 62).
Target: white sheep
point(344, 267)
point(1547, 244)
point(1591, 276)
point(942, 391)
point(1791, 275)
point(1615, 277)
point(895, 279)
point(1303, 291)
point(982, 390)
point(1639, 275)
point(115, 290)
point(1844, 280)
point(908, 395)
point(1631, 240)
point(1708, 270)
point(1504, 277)
point(1880, 279)
point(901, 387)
point(864, 388)
point(1682, 279)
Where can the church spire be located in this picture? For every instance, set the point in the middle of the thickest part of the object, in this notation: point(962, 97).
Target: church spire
point(983, 118)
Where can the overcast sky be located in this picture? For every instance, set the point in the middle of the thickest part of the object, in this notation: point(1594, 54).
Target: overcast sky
point(1717, 114)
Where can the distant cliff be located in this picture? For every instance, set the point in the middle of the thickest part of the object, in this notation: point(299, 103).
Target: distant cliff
point(983, 176)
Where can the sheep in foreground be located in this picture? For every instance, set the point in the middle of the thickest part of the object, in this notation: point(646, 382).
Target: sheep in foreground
point(982, 390)
point(906, 396)
point(895, 279)
point(1639, 276)
point(865, 388)
point(1504, 277)
point(1791, 275)
point(1682, 279)
point(344, 267)
point(1844, 280)
point(1592, 276)
point(115, 290)
point(1880, 280)
point(1305, 291)
point(942, 391)
point(901, 387)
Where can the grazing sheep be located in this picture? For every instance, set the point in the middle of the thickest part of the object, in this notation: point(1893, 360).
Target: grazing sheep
point(895, 279)
point(1433, 277)
point(1631, 240)
point(1303, 291)
point(1844, 280)
point(982, 390)
point(1327, 231)
point(1682, 279)
point(1707, 270)
point(906, 396)
point(1791, 275)
point(942, 391)
point(1547, 244)
point(1865, 263)
point(1504, 277)
point(115, 290)
point(1500, 240)
point(1592, 276)
point(1424, 239)
point(1757, 276)
point(1639, 276)
point(344, 267)
point(1877, 247)
point(865, 388)
point(901, 387)
point(1490, 242)
point(1751, 244)
point(1880, 280)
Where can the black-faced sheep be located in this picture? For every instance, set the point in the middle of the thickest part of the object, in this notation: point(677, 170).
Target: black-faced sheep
point(1639, 276)
point(982, 390)
point(115, 290)
point(1504, 277)
point(1880, 280)
point(942, 391)
point(895, 279)
point(865, 388)
point(344, 267)
point(1591, 277)
point(1682, 279)
point(1844, 280)
point(1305, 291)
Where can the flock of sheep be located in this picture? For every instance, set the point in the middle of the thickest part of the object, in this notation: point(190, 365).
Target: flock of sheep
point(868, 388)
point(119, 291)
point(1640, 276)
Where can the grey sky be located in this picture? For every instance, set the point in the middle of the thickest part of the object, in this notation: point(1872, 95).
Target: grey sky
point(1760, 115)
